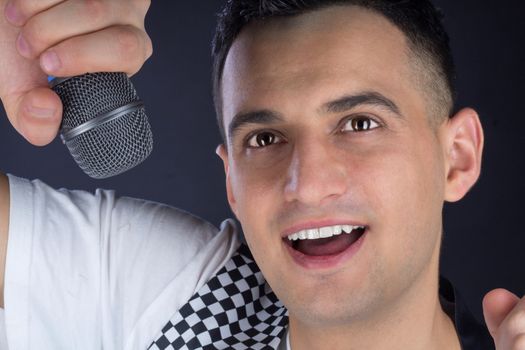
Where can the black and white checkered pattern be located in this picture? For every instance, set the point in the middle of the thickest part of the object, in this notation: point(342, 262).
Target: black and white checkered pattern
point(236, 309)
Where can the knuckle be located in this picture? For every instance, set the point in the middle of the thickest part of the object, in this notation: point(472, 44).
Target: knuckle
point(519, 342)
point(95, 10)
point(149, 47)
point(26, 7)
point(33, 33)
point(128, 43)
point(142, 6)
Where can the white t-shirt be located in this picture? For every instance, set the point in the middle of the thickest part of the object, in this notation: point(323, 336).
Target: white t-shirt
point(93, 271)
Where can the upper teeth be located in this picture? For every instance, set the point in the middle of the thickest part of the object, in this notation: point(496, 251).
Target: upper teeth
point(322, 232)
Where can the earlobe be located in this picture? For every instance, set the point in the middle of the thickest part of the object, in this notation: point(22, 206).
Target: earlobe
point(222, 152)
point(464, 148)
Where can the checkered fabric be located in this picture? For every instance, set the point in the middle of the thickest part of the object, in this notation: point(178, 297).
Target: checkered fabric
point(236, 309)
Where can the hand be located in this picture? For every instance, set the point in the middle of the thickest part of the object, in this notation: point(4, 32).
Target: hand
point(63, 38)
point(505, 317)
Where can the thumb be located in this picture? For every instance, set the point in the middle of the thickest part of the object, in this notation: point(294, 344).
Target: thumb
point(497, 304)
point(35, 114)
point(33, 109)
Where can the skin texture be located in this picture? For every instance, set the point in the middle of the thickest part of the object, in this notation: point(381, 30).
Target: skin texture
point(393, 178)
point(85, 36)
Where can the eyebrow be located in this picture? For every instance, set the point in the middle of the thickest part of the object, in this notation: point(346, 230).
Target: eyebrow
point(339, 105)
point(349, 102)
point(264, 116)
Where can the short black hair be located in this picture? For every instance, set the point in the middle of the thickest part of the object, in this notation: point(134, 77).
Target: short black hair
point(419, 20)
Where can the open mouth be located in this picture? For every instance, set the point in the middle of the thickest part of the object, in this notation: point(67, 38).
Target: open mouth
point(325, 241)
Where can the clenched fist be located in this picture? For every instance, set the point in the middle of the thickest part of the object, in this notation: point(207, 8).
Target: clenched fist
point(63, 38)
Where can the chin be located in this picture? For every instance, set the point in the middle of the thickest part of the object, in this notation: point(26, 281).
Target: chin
point(334, 303)
point(335, 312)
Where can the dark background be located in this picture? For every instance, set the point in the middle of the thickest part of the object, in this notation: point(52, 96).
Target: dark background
point(484, 235)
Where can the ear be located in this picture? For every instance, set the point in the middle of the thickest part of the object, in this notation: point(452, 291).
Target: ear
point(222, 152)
point(463, 151)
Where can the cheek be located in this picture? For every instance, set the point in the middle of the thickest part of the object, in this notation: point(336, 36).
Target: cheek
point(257, 197)
point(257, 180)
point(405, 188)
point(256, 191)
point(405, 175)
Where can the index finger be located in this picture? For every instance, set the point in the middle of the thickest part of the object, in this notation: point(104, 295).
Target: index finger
point(35, 114)
point(17, 12)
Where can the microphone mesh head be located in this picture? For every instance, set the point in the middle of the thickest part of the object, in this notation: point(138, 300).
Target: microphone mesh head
point(111, 147)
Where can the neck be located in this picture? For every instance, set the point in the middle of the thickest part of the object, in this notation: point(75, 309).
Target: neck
point(415, 321)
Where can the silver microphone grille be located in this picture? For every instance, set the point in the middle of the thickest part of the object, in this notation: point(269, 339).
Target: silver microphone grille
point(104, 123)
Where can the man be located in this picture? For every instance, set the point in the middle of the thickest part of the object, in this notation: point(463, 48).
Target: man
point(340, 149)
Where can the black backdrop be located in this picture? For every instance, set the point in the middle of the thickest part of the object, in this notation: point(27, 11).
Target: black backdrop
point(484, 238)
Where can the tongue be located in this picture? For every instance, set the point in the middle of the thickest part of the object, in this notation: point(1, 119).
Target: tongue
point(326, 246)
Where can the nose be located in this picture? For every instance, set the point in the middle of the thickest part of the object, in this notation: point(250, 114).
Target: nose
point(316, 174)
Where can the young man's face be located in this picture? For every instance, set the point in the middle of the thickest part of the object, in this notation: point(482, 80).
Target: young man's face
point(337, 133)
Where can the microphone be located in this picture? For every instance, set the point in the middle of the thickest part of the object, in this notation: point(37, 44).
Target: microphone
point(104, 123)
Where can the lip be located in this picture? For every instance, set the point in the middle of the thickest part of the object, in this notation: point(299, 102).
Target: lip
point(317, 224)
point(327, 261)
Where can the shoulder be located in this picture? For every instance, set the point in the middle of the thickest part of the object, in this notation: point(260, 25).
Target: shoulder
point(127, 219)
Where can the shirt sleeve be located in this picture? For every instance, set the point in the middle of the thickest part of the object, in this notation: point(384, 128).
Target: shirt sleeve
point(93, 271)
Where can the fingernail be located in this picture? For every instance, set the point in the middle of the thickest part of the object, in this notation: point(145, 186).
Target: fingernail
point(40, 112)
point(13, 15)
point(23, 46)
point(50, 62)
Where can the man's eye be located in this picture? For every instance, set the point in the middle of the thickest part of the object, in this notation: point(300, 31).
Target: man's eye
point(263, 139)
point(358, 124)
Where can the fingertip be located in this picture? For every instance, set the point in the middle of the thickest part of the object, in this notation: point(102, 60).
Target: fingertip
point(51, 63)
point(499, 300)
point(39, 116)
point(23, 47)
point(499, 296)
point(497, 304)
point(13, 15)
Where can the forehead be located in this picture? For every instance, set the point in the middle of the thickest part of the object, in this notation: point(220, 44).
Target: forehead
point(305, 60)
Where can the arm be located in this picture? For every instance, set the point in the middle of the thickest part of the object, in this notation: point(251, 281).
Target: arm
point(79, 266)
point(65, 30)
point(4, 228)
